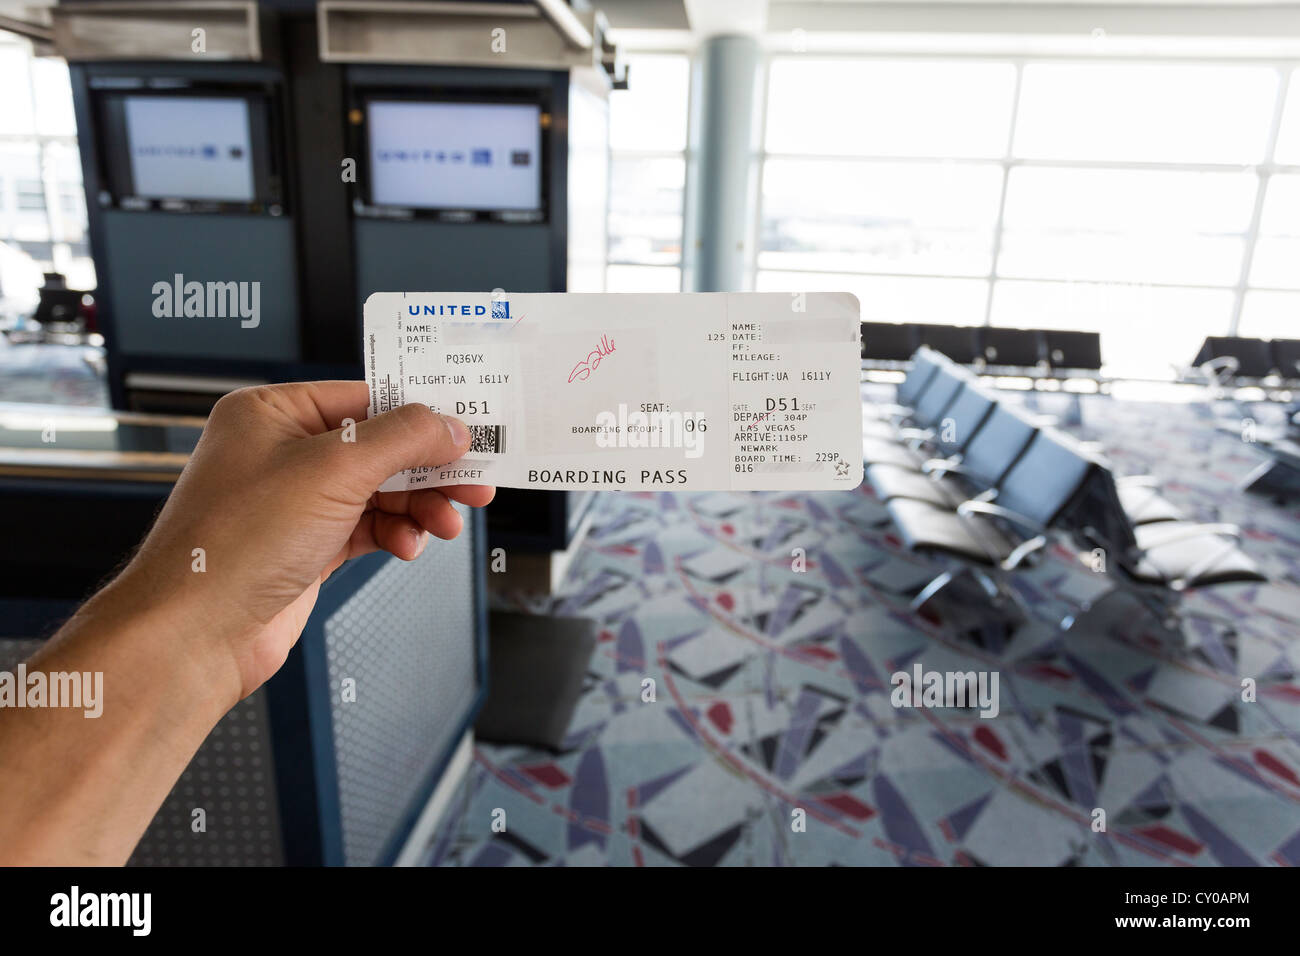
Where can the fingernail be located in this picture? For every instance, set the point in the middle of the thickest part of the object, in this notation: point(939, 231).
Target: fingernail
point(421, 539)
point(459, 433)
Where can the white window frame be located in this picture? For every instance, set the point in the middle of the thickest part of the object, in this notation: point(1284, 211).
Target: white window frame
point(686, 154)
point(1264, 170)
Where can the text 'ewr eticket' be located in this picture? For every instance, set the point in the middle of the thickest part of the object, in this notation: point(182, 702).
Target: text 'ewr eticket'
point(746, 391)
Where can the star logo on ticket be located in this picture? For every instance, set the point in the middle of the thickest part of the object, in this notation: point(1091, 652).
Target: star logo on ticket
point(841, 469)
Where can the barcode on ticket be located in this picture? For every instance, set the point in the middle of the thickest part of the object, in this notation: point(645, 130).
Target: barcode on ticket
point(487, 439)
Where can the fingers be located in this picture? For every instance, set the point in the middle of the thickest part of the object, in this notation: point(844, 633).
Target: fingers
point(476, 496)
point(399, 502)
point(408, 437)
point(399, 535)
point(433, 512)
point(336, 401)
point(309, 407)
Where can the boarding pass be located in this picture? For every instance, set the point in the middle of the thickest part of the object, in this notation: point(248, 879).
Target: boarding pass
point(746, 391)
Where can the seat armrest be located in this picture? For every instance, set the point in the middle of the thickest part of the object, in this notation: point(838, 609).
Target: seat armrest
point(1220, 370)
point(1024, 550)
point(938, 467)
point(916, 436)
point(998, 511)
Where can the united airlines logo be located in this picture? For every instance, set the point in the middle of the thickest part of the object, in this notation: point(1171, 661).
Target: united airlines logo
point(477, 156)
point(447, 310)
point(206, 151)
point(500, 309)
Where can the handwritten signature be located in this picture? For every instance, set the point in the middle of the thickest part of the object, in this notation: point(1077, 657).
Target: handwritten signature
point(582, 371)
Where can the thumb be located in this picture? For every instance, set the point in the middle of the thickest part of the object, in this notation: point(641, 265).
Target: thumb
point(412, 436)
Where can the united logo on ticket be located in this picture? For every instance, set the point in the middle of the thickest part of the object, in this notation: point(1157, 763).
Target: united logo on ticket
point(745, 391)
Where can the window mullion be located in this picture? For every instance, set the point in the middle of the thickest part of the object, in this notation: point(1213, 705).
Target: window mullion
point(1008, 161)
point(1265, 171)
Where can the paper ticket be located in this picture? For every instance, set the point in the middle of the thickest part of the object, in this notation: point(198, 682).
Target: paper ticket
point(746, 391)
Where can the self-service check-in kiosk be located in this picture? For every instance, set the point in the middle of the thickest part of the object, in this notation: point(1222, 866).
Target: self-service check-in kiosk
point(480, 137)
point(182, 115)
point(254, 171)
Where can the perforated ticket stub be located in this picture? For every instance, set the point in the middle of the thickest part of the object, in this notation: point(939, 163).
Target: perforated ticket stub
point(747, 391)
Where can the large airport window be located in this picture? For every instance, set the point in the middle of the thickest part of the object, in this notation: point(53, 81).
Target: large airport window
point(645, 210)
point(1134, 197)
point(1145, 112)
point(901, 107)
point(1277, 251)
point(1126, 225)
point(30, 195)
point(38, 159)
point(891, 298)
point(648, 159)
point(920, 218)
point(1268, 314)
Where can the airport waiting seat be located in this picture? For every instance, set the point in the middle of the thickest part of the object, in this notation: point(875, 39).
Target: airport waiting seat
point(895, 468)
point(1142, 502)
point(925, 365)
point(1011, 348)
point(998, 439)
point(1006, 487)
point(1227, 358)
point(959, 342)
point(1043, 484)
point(888, 341)
point(1182, 554)
point(902, 447)
point(947, 436)
point(1279, 475)
point(1071, 351)
point(1286, 358)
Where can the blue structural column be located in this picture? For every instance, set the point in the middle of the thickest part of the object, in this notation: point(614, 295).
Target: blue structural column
point(717, 219)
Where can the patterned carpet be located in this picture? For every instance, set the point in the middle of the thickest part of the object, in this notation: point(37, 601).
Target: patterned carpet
point(772, 695)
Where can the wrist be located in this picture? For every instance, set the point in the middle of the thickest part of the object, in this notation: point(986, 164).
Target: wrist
point(178, 637)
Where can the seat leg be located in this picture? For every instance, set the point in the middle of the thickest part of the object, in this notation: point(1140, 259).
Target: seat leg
point(937, 584)
point(974, 604)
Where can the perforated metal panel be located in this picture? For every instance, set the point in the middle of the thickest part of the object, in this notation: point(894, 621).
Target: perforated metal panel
point(408, 640)
point(232, 780)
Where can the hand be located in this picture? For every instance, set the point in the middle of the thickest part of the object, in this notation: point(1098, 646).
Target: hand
point(277, 500)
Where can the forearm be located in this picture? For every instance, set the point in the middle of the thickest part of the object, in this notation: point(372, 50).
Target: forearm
point(80, 789)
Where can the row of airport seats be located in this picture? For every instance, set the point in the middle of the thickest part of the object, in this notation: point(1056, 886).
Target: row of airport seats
point(1044, 352)
point(967, 476)
point(1234, 360)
